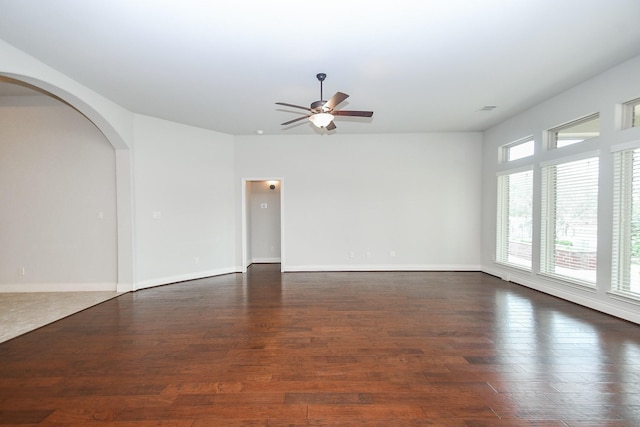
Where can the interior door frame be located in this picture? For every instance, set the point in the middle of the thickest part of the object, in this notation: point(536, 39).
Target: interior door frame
point(245, 211)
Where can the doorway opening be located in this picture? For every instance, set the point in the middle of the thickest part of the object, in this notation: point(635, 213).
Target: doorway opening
point(262, 222)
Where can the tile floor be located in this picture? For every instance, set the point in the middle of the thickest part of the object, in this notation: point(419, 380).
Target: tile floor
point(24, 312)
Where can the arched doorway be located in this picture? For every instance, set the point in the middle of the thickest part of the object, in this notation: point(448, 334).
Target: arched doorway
point(67, 217)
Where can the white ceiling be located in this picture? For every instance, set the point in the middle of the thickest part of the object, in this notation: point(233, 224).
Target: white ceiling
point(421, 66)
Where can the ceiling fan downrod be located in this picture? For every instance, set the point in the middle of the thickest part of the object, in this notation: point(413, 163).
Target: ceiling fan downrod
point(321, 77)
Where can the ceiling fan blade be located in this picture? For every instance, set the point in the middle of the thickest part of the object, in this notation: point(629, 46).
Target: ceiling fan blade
point(295, 120)
point(331, 126)
point(335, 100)
point(294, 106)
point(352, 113)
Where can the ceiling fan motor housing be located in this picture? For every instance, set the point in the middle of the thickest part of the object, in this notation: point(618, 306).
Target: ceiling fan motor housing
point(318, 106)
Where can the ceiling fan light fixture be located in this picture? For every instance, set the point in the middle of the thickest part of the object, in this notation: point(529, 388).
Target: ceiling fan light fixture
point(321, 120)
point(321, 113)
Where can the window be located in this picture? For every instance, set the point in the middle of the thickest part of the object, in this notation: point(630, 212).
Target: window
point(626, 223)
point(570, 220)
point(631, 111)
point(513, 237)
point(575, 132)
point(518, 150)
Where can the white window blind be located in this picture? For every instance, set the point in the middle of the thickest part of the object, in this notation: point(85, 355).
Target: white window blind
point(570, 220)
point(626, 223)
point(514, 225)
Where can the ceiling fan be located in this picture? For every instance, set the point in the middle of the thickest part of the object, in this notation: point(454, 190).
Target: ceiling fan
point(322, 113)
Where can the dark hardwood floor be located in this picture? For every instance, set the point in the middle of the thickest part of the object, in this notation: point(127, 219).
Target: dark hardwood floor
point(369, 349)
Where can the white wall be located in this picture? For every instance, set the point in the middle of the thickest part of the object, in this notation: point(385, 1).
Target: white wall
point(57, 198)
point(602, 94)
point(370, 195)
point(361, 194)
point(183, 175)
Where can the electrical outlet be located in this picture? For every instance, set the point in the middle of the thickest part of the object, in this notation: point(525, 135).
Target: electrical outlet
point(392, 253)
point(352, 254)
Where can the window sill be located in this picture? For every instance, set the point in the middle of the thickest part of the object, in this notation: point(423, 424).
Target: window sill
point(515, 267)
point(570, 282)
point(625, 297)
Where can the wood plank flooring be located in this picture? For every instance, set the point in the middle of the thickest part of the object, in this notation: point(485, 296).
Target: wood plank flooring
point(316, 349)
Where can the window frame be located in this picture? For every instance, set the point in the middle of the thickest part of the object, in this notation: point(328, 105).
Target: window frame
point(503, 233)
point(552, 138)
point(548, 238)
point(625, 157)
point(628, 116)
point(505, 149)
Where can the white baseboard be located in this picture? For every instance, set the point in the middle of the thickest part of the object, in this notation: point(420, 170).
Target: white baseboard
point(588, 298)
point(124, 287)
point(388, 267)
point(182, 277)
point(57, 287)
point(264, 260)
